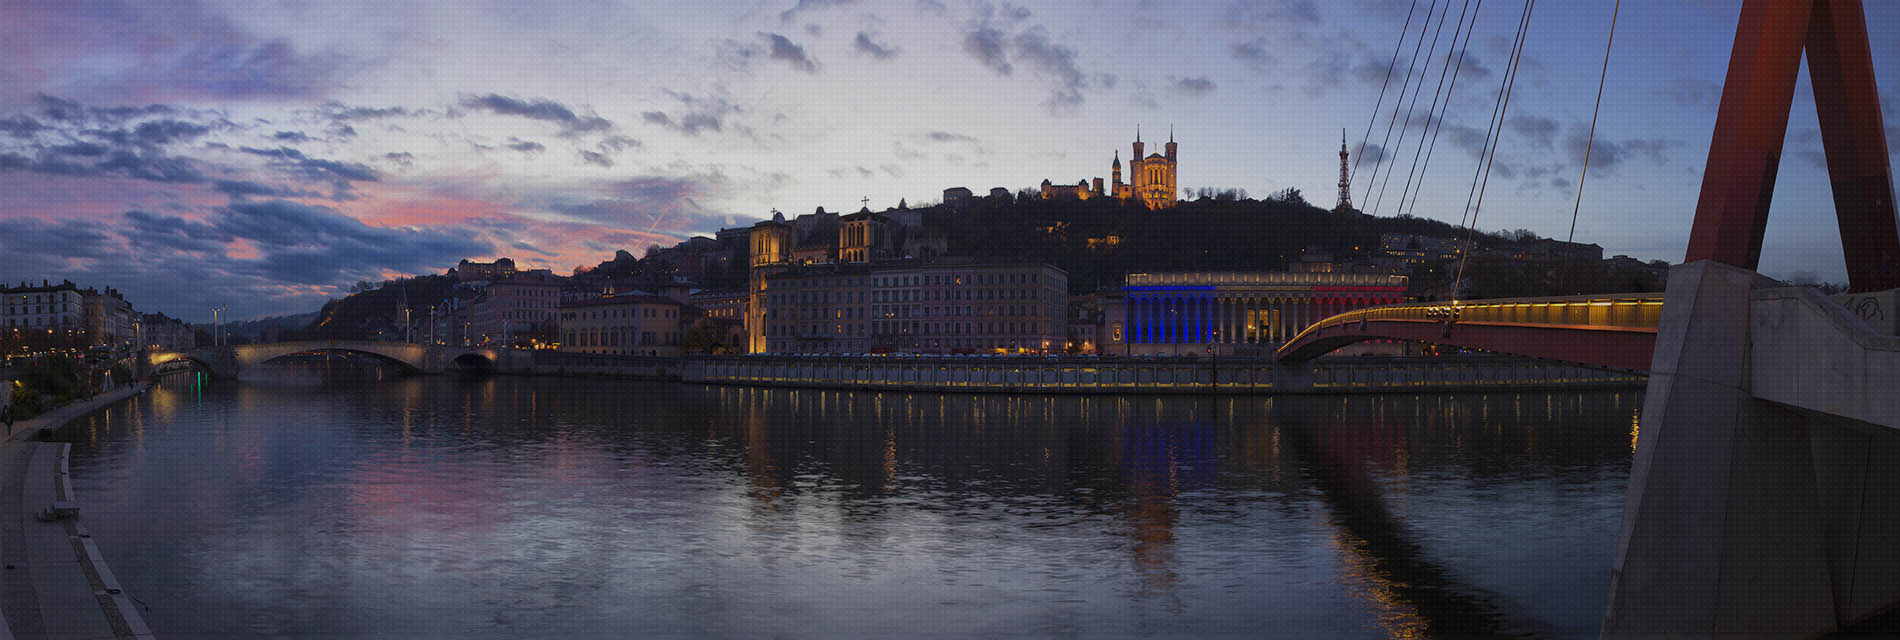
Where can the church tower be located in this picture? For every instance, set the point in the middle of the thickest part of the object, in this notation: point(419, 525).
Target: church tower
point(1154, 175)
point(1345, 182)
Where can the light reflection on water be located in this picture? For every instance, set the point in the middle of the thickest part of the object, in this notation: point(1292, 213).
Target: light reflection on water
point(314, 502)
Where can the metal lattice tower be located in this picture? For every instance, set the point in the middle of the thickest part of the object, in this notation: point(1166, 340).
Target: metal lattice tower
point(1345, 183)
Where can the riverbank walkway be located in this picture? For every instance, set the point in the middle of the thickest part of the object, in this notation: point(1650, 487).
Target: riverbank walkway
point(54, 583)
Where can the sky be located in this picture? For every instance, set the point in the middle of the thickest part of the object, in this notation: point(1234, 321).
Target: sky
point(264, 156)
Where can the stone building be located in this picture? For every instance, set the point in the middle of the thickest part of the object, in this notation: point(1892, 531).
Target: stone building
point(631, 325)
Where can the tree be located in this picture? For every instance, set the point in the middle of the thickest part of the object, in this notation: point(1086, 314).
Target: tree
point(703, 338)
point(1289, 195)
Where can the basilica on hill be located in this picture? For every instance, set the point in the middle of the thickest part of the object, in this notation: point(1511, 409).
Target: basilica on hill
point(1154, 180)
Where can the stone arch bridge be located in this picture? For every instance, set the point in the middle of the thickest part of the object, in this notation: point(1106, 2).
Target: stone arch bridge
point(230, 361)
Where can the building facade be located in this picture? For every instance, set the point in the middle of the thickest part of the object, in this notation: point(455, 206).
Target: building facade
point(952, 306)
point(110, 320)
point(515, 307)
point(1238, 313)
point(627, 325)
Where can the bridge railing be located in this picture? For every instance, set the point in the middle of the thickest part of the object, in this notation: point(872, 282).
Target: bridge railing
point(1623, 312)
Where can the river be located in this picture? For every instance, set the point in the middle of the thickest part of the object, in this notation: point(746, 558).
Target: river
point(328, 498)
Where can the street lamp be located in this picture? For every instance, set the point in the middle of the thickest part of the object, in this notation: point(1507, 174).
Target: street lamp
point(217, 335)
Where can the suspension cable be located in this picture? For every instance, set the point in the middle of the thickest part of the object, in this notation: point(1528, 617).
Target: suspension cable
point(1429, 149)
point(1407, 127)
point(1433, 109)
point(1523, 37)
point(1491, 126)
point(1396, 46)
point(1409, 66)
point(1591, 140)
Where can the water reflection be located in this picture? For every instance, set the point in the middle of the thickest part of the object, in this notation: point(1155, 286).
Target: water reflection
point(313, 501)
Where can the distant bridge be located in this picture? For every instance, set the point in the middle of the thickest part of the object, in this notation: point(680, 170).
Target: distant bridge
point(230, 361)
point(1616, 331)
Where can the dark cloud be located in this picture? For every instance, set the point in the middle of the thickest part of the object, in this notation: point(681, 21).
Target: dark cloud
point(20, 126)
point(703, 113)
point(988, 39)
point(338, 111)
point(525, 146)
point(539, 109)
point(403, 158)
point(152, 231)
point(82, 149)
point(290, 136)
point(1253, 52)
point(945, 136)
point(616, 144)
point(596, 159)
point(305, 244)
point(1272, 13)
point(807, 5)
point(986, 44)
point(168, 131)
point(782, 48)
point(314, 168)
point(150, 166)
point(246, 188)
point(1370, 152)
point(340, 130)
point(1606, 154)
point(1538, 130)
point(865, 45)
point(33, 245)
point(1691, 93)
point(1196, 87)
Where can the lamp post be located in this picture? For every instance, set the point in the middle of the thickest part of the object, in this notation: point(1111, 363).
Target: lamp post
point(217, 334)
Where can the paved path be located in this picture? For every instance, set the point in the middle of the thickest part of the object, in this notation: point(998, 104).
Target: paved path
point(54, 583)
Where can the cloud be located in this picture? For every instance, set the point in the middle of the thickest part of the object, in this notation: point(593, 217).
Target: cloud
point(290, 136)
point(341, 112)
point(616, 144)
point(246, 188)
point(403, 158)
point(1606, 154)
point(525, 146)
point(176, 50)
point(539, 109)
point(297, 163)
point(782, 48)
point(1195, 87)
point(167, 131)
point(1252, 52)
point(174, 233)
point(1370, 152)
point(702, 113)
point(596, 159)
point(1259, 14)
point(986, 44)
point(1538, 130)
point(945, 136)
point(865, 45)
point(314, 245)
point(807, 5)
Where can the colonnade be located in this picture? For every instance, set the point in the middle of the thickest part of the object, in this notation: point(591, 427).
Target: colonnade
point(1196, 318)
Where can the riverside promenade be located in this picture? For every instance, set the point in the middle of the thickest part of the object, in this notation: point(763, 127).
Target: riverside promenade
point(54, 583)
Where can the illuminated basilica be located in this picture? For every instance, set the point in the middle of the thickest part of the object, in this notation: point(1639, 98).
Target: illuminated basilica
point(1154, 180)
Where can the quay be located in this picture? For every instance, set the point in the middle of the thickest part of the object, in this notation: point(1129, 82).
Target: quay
point(54, 583)
point(1072, 375)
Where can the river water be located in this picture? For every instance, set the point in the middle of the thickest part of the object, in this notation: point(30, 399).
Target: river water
point(322, 500)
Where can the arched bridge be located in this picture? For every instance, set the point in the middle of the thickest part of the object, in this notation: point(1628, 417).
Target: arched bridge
point(1617, 331)
point(230, 361)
